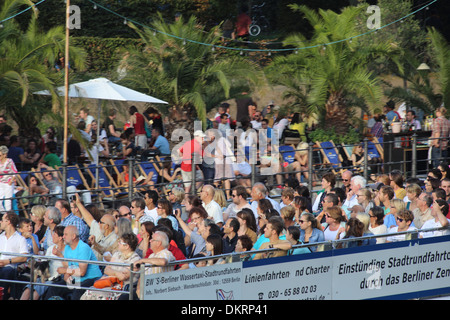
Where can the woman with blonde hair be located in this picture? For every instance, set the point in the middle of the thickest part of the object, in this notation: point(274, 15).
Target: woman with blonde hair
point(37, 217)
point(334, 222)
point(397, 205)
point(300, 165)
point(413, 191)
point(7, 180)
point(364, 198)
point(288, 213)
point(219, 197)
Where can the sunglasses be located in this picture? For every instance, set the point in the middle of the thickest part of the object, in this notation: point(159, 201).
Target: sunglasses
point(399, 219)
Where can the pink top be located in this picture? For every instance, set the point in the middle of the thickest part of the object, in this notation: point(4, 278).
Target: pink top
point(5, 168)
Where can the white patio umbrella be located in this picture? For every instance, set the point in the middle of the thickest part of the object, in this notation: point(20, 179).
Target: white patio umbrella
point(102, 89)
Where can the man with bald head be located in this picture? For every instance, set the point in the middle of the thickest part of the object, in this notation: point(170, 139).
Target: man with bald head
point(103, 236)
point(102, 233)
point(213, 209)
point(79, 274)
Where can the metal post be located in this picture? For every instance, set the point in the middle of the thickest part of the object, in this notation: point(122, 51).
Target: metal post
point(310, 166)
point(366, 158)
point(131, 289)
point(130, 178)
point(64, 180)
point(194, 171)
point(414, 156)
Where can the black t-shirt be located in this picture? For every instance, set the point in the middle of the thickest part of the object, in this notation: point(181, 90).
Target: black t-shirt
point(106, 124)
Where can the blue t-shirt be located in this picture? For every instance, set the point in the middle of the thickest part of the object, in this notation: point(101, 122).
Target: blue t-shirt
point(14, 153)
point(83, 252)
point(162, 144)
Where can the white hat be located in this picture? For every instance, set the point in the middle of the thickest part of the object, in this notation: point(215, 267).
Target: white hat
point(199, 133)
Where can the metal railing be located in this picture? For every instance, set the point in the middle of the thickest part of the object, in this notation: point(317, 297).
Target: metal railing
point(228, 258)
point(317, 166)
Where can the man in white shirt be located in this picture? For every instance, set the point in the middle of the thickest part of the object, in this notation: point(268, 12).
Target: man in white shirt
point(439, 210)
point(356, 183)
point(256, 122)
point(151, 200)
point(87, 118)
point(213, 209)
point(10, 241)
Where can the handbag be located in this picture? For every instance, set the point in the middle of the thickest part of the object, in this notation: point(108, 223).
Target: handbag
point(107, 282)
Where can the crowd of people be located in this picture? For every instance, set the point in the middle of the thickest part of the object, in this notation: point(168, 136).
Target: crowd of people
point(160, 229)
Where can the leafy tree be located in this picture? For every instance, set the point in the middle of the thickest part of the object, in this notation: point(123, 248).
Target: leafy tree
point(331, 80)
point(421, 92)
point(26, 66)
point(191, 76)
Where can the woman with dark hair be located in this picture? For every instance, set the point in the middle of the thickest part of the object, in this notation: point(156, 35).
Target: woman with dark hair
point(377, 225)
point(310, 232)
point(35, 191)
point(126, 254)
point(397, 184)
point(445, 170)
point(214, 245)
point(247, 224)
point(328, 183)
point(137, 122)
point(355, 229)
point(32, 154)
point(293, 236)
point(299, 125)
point(164, 210)
point(301, 205)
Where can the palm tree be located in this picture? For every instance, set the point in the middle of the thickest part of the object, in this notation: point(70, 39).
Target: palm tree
point(335, 77)
point(176, 65)
point(422, 92)
point(26, 62)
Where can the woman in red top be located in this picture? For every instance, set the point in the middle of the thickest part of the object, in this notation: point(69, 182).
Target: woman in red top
point(137, 122)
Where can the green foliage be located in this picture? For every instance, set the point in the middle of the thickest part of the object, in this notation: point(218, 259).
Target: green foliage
point(103, 54)
point(26, 66)
point(352, 136)
point(185, 73)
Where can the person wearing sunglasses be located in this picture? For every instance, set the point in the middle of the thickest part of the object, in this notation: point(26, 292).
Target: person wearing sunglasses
point(404, 220)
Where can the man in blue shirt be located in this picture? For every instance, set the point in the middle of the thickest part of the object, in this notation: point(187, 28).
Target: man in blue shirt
point(68, 218)
point(78, 274)
point(159, 142)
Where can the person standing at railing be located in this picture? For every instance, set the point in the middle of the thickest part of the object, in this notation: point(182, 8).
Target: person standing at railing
point(7, 179)
point(10, 241)
point(439, 137)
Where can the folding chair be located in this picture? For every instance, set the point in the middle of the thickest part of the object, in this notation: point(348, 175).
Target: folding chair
point(378, 142)
point(108, 187)
point(331, 156)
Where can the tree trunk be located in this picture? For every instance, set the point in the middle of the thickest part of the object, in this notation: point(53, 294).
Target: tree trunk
point(179, 117)
point(336, 113)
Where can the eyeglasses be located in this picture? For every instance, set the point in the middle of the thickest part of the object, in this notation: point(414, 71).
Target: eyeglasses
point(301, 221)
point(123, 243)
point(233, 195)
point(124, 215)
point(399, 219)
point(345, 180)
